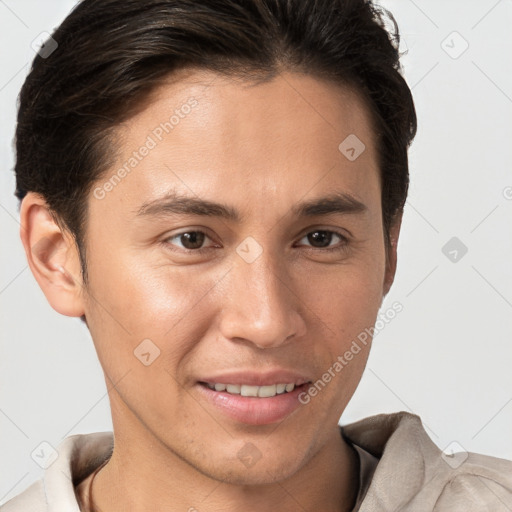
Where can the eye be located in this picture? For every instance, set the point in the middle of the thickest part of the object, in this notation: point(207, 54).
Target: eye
point(190, 240)
point(321, 239)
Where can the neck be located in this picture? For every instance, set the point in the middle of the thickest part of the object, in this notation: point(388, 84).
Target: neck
point(143, 474)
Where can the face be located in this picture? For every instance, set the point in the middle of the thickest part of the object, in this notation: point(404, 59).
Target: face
point(241, 247)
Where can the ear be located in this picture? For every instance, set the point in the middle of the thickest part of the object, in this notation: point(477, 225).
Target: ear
point(52, 256)
point(391, 256)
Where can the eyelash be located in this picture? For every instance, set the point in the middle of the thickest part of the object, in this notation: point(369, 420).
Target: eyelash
point(344, 242)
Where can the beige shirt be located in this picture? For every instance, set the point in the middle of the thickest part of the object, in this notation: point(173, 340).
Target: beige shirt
point(401, 469)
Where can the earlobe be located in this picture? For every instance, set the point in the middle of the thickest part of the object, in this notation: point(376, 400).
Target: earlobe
point(52, 256)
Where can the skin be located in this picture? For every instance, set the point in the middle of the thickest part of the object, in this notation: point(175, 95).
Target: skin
point(260, 149)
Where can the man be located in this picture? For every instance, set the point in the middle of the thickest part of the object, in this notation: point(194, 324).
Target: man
point(216, 189)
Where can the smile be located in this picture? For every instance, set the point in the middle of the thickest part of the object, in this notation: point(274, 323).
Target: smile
point(253, 391)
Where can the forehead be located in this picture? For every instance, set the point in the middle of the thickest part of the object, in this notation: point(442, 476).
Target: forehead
point(206, 134)
point(234, 102)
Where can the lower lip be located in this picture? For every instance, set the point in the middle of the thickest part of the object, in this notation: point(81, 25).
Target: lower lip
point(253, 410)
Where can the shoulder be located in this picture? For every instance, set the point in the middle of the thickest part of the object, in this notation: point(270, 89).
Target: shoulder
point(414, 474)
point(77, 456)
point(32, 499)
point(480, 483)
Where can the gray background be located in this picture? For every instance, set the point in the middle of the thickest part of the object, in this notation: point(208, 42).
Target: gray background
point(445, 357)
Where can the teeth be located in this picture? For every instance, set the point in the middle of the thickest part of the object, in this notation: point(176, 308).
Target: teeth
point(233, 388)
point(246, 390)
point(266, 391)
point(281, 388)
point(255, 391)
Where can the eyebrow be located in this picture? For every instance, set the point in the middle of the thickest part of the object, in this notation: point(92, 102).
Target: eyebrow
point(176, 204)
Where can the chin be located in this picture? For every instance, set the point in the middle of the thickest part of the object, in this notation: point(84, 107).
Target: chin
point(262, 475)
point(247, 467)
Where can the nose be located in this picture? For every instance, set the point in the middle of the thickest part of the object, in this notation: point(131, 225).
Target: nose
point(259, 304)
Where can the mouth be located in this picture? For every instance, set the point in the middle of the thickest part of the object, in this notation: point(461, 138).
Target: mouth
point(254, 391)
point(252, 405)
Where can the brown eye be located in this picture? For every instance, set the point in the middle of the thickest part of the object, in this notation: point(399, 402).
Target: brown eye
point(321, 239)
point(192, 239)
point(189, 240)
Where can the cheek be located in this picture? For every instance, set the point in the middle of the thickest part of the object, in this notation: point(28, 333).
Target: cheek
point(136, 301)
point(346, 297)
point(345, 301)
point(346, 304)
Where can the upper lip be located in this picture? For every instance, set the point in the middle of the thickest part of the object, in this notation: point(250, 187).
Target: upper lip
point(253, 378)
